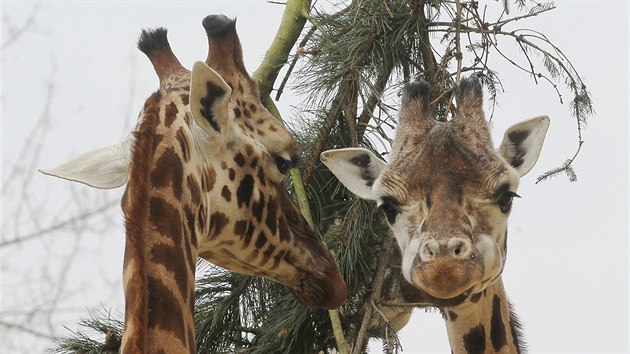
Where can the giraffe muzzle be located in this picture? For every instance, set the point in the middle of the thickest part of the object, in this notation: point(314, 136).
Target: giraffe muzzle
point(327, 292)
point(446, 268)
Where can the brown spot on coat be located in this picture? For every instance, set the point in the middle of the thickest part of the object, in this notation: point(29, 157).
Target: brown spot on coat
point(218, 221)
point(244, 191)
point(261, 176)
point(475, 340)
point(170, 114)
point(272, 218)
point(165, 219)
point(208, 179)
point(254, 163)
point(239, 159)
point(174, 261)
point(240, 227)
point(193, 189)
point(277, 258)
point(258, 206)
point(267, 254)
point(498, 334)
point(226, 194)
point(183, 143)
point(261, 240)
point(167, 314)
point(168, 170)
point(184, 97)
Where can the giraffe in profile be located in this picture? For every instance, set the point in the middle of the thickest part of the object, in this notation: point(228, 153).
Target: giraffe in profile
point(204, 170)
point(447, 194)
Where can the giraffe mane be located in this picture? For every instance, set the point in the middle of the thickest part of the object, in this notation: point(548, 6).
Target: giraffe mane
point(136, 210)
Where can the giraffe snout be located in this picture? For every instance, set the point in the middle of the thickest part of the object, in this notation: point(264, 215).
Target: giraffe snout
point(455, 248)
point(445, 268)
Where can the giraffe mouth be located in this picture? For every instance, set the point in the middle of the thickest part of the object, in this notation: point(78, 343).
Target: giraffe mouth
point(447, 279)
point(327, 292)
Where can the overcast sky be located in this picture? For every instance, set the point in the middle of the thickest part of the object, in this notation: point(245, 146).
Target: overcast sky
point(567, 267)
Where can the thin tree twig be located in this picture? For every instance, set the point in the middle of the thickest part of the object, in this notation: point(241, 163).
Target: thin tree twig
point(21, 328)
point(305, 40)
point(377, 289)
point(58, 226)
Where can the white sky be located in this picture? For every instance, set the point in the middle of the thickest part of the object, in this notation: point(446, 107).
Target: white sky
point(567, 268)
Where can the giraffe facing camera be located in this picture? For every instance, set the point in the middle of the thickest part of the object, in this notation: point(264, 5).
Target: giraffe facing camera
point(447, 194)
point(204, 170)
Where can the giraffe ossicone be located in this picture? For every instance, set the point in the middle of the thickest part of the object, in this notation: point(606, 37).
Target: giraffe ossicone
point(447, 194)
point(204, 171)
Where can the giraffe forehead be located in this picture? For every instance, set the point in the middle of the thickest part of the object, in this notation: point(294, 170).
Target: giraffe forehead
point(442, 161)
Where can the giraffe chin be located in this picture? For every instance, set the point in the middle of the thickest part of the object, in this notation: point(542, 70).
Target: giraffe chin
point(446, 279)
point(329, 292)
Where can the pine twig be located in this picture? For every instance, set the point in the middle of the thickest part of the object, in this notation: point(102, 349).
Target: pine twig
point(377, 289)
point(292, 24)
point(308, 35)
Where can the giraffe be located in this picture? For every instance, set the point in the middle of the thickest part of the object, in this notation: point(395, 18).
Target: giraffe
point(204, 170)
point(446, 194)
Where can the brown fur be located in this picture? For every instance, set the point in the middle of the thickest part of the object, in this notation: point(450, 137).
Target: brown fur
point(136, 210)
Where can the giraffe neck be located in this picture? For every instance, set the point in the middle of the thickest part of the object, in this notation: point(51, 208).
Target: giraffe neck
point(160, 250)
point(485, 323)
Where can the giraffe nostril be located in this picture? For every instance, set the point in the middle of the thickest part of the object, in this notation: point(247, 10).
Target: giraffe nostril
point(454, 247)
point(458, 247)
point(429, 250)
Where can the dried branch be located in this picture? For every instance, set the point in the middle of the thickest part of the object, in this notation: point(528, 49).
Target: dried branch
point(14, 34)
point(376, 290)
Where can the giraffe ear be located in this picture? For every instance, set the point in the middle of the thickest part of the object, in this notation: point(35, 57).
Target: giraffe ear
point(103, 168)
point(209, 96)
point(356, 168)
point(523, 142)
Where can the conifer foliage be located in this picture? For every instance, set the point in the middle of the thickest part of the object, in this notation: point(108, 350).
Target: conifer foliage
point(348, 68)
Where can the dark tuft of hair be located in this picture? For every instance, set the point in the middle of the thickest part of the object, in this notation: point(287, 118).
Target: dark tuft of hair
point(153, 39)
point(218, 24)
point(419, 89)
point(469, 86)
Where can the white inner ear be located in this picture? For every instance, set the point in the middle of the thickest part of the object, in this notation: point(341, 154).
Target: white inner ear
point(356, 169)
point(103, 168)
point(523, 142)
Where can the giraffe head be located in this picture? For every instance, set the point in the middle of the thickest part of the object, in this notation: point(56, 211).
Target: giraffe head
point(251, 153)
point(446, 192)
point(224, 158)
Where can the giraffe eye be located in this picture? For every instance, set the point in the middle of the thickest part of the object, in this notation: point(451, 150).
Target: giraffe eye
point(389, 207)
point(282, 164)
point(505, 201)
